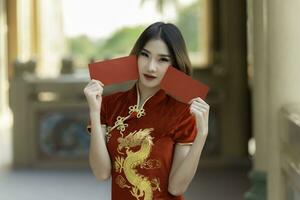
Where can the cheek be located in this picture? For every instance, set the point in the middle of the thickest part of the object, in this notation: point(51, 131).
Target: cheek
point(140, 63)
point(164, 70)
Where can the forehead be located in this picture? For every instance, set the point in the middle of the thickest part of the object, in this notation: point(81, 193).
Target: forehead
point(157, 46)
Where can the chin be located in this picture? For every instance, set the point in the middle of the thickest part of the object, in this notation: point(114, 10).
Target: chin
point(148, 84)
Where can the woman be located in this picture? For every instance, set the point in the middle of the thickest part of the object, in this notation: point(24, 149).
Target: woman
point(147, 141)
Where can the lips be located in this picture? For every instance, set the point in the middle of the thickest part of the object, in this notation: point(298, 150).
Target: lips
point(149, 76)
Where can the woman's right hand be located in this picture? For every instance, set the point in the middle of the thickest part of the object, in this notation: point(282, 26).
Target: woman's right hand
point(93, 93)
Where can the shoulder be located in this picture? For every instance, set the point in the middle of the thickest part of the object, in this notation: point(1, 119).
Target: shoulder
point(177, 106)
point(182, 128)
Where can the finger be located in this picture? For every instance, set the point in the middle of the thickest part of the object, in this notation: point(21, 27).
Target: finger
point(95, 90)
point(95, 82)
point(91, 82)
point(91, 90)
point(98, 82)
point(201, 116)
point(204, 110)
point(206, 107)
point(198, 106)
point(196, 111)
point(198, 117)
point(194, 99)
point(102, 84)
point(193, 111)
point(199, 109)
point(200, 102)
point(95, 85)
point(198, 99)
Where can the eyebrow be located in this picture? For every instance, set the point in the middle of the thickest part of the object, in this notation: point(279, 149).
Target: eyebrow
point(164, 55)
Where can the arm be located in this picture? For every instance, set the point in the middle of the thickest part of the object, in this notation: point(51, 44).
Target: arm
point(186, 157)
point(98, 155)
point(184, 167)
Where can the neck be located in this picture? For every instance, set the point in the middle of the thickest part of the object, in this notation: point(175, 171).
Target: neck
point(146, 92)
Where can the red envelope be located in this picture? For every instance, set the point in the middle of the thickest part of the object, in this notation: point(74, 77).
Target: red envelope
point(115, 70)
point(182, 86)
point(175, 83)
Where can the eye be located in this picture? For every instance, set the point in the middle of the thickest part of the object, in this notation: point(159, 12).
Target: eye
point(164, 60)
point(144, 54)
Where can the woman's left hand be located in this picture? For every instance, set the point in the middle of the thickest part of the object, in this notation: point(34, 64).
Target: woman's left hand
point(200, 109)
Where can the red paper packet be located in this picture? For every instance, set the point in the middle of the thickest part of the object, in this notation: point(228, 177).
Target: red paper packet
point(182, 86)
point(115, 70)
point(175, 83)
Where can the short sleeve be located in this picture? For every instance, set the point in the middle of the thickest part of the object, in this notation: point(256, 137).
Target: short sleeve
point(185, 129)
point(103, 115)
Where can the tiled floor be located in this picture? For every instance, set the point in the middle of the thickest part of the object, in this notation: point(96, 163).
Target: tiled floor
point(208, 184)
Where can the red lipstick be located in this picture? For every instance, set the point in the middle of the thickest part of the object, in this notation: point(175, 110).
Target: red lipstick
point(149, 77)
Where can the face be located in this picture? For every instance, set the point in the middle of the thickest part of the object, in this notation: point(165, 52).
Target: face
point(153, 62)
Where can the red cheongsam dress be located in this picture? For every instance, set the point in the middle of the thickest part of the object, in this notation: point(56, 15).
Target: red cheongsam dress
point(141, 142)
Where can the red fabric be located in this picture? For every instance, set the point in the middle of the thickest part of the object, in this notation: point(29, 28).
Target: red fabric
point(142, 166)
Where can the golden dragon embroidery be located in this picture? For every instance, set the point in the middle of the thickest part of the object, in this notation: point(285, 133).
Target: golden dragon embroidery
point(142, 186)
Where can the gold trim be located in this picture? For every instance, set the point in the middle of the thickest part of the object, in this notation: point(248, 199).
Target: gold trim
point(182, 144)
point(121, 182)
point(140, 112)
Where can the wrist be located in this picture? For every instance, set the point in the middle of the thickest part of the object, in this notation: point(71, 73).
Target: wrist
point(94, 114)
point(202, 134)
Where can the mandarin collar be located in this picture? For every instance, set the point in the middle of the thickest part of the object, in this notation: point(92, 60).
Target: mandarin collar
point(134, 96)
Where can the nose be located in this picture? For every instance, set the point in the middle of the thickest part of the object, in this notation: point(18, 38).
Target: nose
point(152, 66)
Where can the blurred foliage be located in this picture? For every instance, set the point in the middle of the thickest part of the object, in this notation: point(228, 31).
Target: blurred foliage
point(189, 23)
point(83, 48)
point(121, 42)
